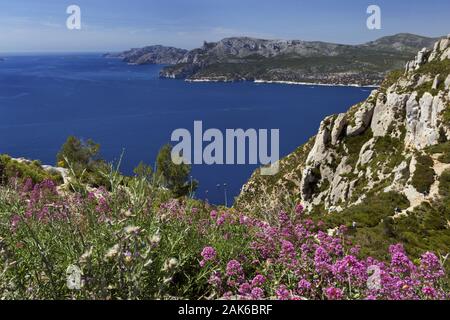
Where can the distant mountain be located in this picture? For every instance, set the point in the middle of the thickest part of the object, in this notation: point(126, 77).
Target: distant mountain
point(150, 55)
point(403, 42)
point(244, 58)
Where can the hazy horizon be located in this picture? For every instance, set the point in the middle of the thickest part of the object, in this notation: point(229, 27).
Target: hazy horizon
point(151, 44)
point(106, 26)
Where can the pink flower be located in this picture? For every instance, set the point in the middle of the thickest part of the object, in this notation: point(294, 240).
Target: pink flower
point(333, 293)
point(234, 268)
point(208, 253)
point(299, 209)
point(257, 293)
point(283, 293)
point(258, 280)
point(429, 291)
point(213, 214)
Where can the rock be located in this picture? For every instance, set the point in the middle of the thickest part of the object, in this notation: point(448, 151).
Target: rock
point(447, 83)
point(339, 187)
point(366, 153)
point(339, 124)
point(444, 44)
point(422, 120)
point(320, 148)
point(422, 57)
point(361, 119)
point(436, 82)
point(386, 113)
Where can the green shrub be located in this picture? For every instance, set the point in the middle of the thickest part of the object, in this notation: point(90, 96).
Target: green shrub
point(424, 175)
point(10, 168)
point(443, 148)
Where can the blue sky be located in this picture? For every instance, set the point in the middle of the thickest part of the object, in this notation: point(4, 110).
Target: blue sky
point(110, 25)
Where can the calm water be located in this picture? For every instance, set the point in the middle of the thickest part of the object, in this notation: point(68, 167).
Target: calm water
point(44, 99)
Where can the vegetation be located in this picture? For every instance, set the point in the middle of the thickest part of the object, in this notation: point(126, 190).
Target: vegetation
point(136, 243)
point(13, 169)
point(83, 158)
point(424, 175)
point(134, 240)
point(175, 177)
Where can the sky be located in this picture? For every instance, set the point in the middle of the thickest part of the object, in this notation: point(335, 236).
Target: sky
point(114, 25)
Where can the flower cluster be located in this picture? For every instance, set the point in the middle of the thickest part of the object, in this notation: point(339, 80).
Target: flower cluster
point(294, 259)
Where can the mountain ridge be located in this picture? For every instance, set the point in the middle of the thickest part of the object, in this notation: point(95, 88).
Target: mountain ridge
point(245, 58)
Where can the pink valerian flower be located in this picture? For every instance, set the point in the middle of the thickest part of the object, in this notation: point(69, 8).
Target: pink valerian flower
point(208, 254)
point(244, 220)
point(283, 293)
point(27, 186)
point(429, 291)
point(257, 293)
point(213, 214)
point(400, 262)
point(304, 286)
point(283, 218)
point(333, 293)
point(430, 267)
point(234, 268)
point(215, 279)
point(245, 289)
point(299, 209)
point(287, 249)
point(322, 260)
point(221, 220)
point(258, 280)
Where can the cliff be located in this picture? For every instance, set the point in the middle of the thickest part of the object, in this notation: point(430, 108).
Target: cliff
point(376, 145)
point(382, 168)
point(150, 55)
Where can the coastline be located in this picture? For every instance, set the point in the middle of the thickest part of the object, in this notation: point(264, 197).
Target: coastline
point(259, 81)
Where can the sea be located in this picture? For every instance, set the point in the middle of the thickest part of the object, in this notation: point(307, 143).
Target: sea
point(131, 112)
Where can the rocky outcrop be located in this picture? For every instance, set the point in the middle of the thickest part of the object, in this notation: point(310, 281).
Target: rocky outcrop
point(374, 147)
point(150, 55)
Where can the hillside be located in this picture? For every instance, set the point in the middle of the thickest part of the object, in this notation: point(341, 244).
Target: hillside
point(150, 55)
point(244, 58)
point(382, 168)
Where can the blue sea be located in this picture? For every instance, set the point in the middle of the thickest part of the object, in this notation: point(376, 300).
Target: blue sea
point(128, 108)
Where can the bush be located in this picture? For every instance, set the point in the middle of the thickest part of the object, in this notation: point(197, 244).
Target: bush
point(12, 169)
point(83, 159)
point(175, 177)
point(424, 175)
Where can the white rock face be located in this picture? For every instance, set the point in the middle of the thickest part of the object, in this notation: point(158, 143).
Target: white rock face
point(338, 127)
point(422, 120)
point(447, 83)
point(436, 82)
point(339, 187)
point(366, 153)
point(361, 119)
point(323, 137)
point(386, 111)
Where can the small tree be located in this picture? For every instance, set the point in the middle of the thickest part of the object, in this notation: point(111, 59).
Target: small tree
point(143, 170)
point(175, 177)
point(83, 156)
